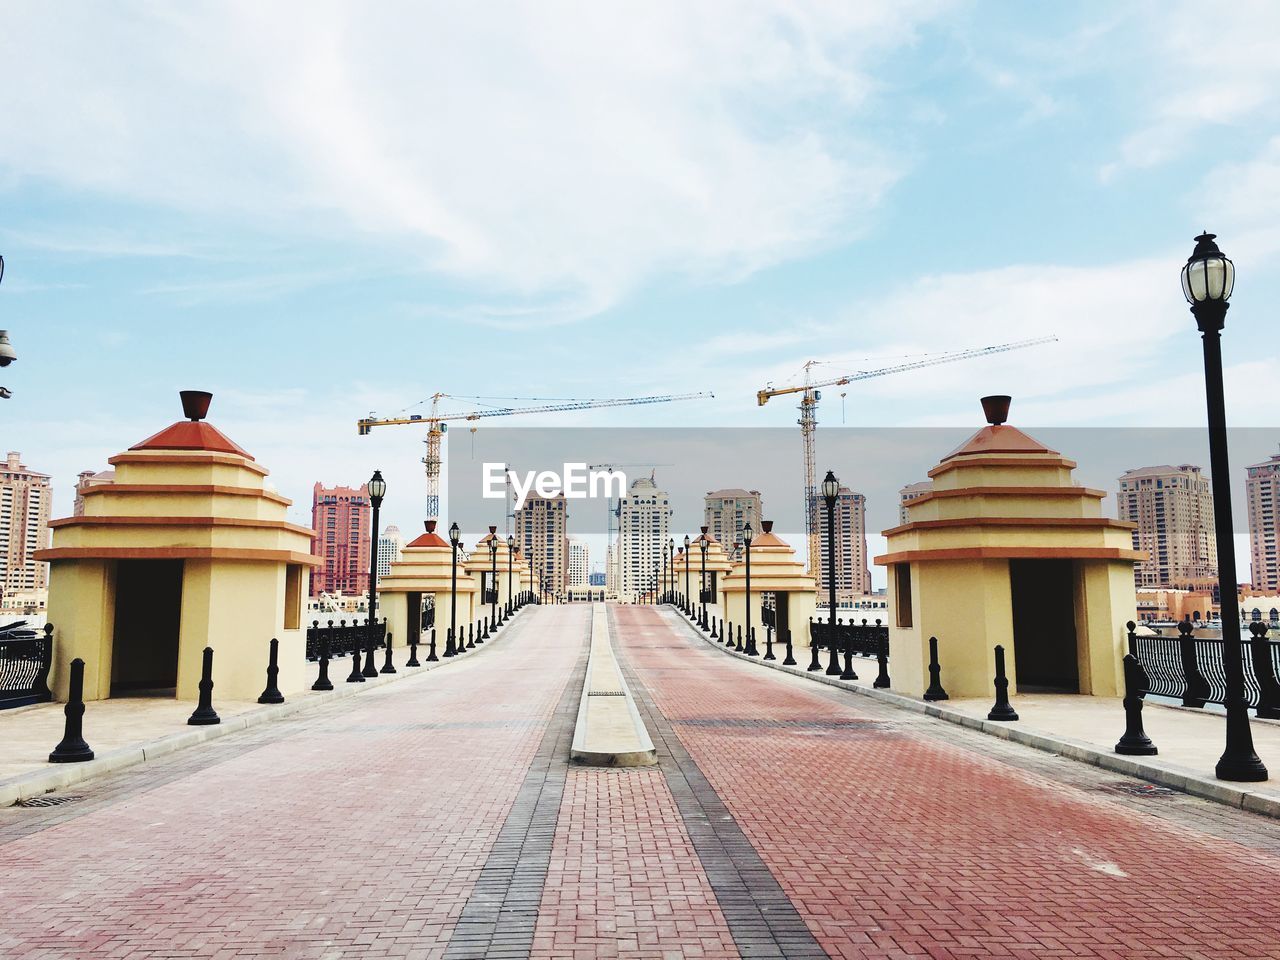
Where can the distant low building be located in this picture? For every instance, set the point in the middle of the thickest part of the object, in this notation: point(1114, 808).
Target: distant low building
point(596, 579)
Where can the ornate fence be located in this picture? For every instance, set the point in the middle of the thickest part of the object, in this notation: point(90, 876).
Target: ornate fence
point(868, 640)
point(25, 658)
point(344, 638)
point(1190, 669)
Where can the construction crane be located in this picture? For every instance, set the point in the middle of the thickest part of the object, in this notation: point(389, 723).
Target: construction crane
point(808, 421)
point(437, 424)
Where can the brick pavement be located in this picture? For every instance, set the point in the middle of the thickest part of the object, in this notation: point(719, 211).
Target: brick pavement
point(360, 832)
point(893, 842)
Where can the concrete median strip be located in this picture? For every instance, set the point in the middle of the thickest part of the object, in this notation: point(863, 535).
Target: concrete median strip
point(610, 731)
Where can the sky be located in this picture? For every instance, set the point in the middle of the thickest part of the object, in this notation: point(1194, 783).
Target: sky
point(317, 211)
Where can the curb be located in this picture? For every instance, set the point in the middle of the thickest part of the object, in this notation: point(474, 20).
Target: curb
point(1177, 778)
point(642, 752)
point(60, 775)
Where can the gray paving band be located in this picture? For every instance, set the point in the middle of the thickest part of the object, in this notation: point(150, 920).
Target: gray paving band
point(499, 917)
point(761, 917)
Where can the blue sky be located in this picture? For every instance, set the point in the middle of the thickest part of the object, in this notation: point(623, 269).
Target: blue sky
point(317, 211)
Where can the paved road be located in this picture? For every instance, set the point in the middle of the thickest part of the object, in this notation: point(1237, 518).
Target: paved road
point(438, 817)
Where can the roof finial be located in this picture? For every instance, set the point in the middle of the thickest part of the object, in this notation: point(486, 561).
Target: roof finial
point(195, 403)
point(996, 409)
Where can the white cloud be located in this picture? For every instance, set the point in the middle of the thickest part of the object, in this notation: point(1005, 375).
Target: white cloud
point(559, 151)
point(1208, 68)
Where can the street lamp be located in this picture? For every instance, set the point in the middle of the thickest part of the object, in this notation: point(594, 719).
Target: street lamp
point(1207, 280)
point(830, 491)
point(746, 539)
point(455, 538)
point(511, 562)
point(702, 589)
point(377, 490)
point(7, 353)
point(493, 575)
point(687, 602)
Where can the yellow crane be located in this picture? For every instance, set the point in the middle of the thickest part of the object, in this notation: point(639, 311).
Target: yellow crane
point(437, 424)
point(811, 394)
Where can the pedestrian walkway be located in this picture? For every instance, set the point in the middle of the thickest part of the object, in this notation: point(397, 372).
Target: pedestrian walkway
point(443, 818)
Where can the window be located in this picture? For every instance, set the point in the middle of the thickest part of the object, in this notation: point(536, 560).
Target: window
point(902, 592)
point(292, 596)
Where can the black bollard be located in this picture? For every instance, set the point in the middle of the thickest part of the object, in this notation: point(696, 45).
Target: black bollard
point(431, 650)
point(1268, 685)
point(882, 661)
point(714, 635)
point(322, 681)
point(740, 648)
point(204, 715)
point(935, 691)
point(370, 669)
point(768, 642)
point(751, 643)
point(413, 654)
point(356, 675)
point(483, 635)
point(848, 658)
point(471, 636)
point(833, 665)
point(790, 661)
point(449, 646)
point(387, 665)
point(815, 663)
point(72, 748)
point(1135, 742)
point(272, 693)
point(1002, 710)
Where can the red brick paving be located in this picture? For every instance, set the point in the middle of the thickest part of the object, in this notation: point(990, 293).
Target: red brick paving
point(624, 877)
point(359, 834)
point(894, 843)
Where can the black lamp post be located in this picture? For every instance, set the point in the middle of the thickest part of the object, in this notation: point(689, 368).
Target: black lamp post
point(702, 589)
point(377, 490)
point(493, 576)
point(1207, 280)
point(455, 539)
point(511, 562)
point(830, 491)
point(747, 534)
point(687, 602)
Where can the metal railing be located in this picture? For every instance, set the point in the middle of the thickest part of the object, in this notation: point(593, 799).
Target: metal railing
point(25, 658)
point(344, 638)
point(1190, 669)
point(868, 639)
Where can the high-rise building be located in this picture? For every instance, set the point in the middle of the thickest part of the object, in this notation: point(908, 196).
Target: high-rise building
point(727, 511)
point(86, 479)
point(542, 530)
point(644, 530)
point(26, 502)
point(1262, 492)
point(340, 517)
point(852, 576)
point(912, 491)
point(579, 567)
point(389, 546)
point(1173, 509)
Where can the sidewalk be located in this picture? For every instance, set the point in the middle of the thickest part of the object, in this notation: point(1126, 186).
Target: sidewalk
point(1082, 728)
point(128, 731)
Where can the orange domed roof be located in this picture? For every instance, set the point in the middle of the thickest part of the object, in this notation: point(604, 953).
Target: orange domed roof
point(193, 433)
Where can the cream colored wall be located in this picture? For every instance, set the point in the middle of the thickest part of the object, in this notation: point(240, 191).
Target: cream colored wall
point(801, 605)
point(236, 607)
point(1109, 602)
point(82, 610)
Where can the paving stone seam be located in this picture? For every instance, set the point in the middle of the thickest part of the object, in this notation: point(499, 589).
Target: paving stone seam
point(762, 919)
point(1186, 781)
point(60, 776)
point(500, 915)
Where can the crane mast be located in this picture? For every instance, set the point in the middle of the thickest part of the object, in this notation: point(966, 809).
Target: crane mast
point(810, 395)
